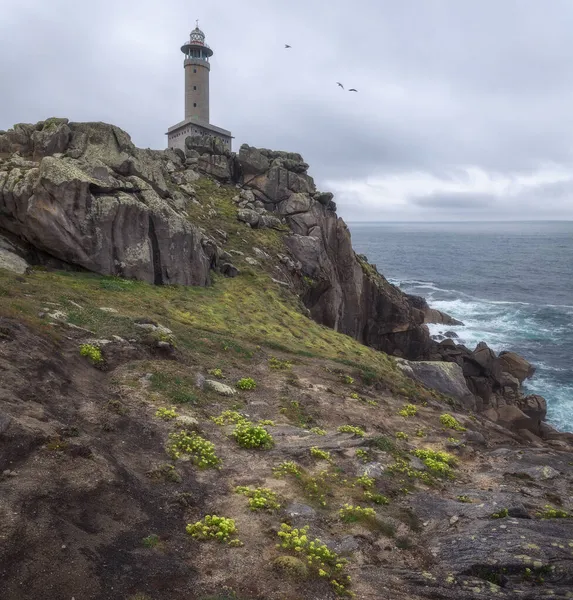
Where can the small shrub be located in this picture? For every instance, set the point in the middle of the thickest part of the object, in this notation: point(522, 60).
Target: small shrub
point(554, 513)
point(291, 566)
point(91, 352)
point(279, 365)
point(320, 559)
point(218, 373)
point(451, 423)
point(320, 454)
point(453, 440)
point(376, 498)
point(352, 429)
point(201, 451)
point(364, 481)
point(420, 432)
point(500, 514)
point(267, 423)
point(438, 462)
point(465, 499)
point(383, 443)
point(150, 541)
point(260, 498)
point(352, 514)
point(400, 435)
point(362, 455)
point(408, 410)
point(403, 467)
point(318, 431)
point(213, 527)
point(246, 383)
point(228, 417)
point(166, 413)
point(347, 379)
point(355, 396)
point(249, 435)
point(287, 467)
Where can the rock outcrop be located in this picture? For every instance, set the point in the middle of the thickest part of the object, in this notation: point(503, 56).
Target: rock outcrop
point(84, 194)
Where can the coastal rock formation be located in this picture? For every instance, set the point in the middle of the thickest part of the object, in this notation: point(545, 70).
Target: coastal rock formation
point(84, 194)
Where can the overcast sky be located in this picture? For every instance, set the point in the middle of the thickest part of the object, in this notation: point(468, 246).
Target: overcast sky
point(464, 109)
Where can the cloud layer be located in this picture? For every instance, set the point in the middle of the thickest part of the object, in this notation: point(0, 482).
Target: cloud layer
point(463, 110)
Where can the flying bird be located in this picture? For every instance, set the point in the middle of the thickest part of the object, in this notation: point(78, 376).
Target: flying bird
point(339, 84)
point(287, 46)
point(352, 90)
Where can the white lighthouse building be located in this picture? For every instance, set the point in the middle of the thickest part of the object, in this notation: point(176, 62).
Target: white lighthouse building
point(197, 70)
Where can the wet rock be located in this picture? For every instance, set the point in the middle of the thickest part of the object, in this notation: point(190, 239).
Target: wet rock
point(515, 365)
point(229, 270)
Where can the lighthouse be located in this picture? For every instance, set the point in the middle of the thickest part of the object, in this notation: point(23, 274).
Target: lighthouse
point(197, 115)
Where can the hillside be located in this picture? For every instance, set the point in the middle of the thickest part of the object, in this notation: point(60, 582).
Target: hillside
point(174, 327)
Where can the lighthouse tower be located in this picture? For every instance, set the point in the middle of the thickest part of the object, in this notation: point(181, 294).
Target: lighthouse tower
point(197, 70)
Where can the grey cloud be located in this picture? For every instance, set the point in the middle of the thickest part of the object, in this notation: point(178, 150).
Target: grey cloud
point(441, 83)
point(465, 201)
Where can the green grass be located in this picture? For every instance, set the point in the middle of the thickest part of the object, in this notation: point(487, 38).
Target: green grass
point(233, 315)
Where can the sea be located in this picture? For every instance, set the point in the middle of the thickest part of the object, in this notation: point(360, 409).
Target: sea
point(510, 283)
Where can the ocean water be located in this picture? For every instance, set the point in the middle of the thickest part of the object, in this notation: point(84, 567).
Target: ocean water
point(510, 283)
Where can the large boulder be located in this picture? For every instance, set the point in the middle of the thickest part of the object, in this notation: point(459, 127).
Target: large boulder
point(512, 363)
point(444, 377)
point(107, 210)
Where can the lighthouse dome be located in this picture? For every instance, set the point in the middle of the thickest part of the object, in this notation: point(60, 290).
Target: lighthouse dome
point(197, 36)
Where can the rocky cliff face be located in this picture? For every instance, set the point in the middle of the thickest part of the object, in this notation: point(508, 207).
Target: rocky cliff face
point(84, 194)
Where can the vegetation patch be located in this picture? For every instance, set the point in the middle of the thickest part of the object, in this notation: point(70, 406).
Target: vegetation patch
point(376, 498)
point(451, 422)
point(438, 462)
point(318, 431)
point(260, 498)
point(218, 373)
point(316, 452)
point(400, 435)
point(352, 514)
point(151, 541)
point(249, 435)
point(408, 410)
point(358, 431)
point(315, 487)
point(554, 513)
point(319, 558)
point(246, 383)
point(92, 352)
point(166, 413)
point(500, 514)
point(214, 527)
point(291, 566)
point(177, 388)
point(200, 450)
point(278, 364)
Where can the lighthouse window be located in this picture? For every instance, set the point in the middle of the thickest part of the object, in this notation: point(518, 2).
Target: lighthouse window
point(194, 70)
point(195, 104)
point(194, 87)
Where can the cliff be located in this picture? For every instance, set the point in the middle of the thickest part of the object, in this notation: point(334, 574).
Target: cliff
point(191, 334)
point(84, 194)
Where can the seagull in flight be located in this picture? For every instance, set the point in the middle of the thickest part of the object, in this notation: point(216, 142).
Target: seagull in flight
point(352, 90)
point(339, 84)
point(287, 46)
